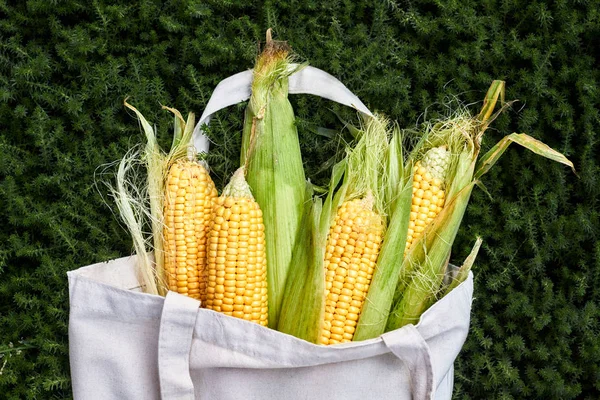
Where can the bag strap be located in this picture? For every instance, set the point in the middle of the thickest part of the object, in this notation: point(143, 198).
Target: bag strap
point(308, 80)
point(174, 343)
point(409, 346)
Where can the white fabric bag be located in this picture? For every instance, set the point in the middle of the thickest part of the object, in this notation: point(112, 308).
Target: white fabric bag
point(126, 344)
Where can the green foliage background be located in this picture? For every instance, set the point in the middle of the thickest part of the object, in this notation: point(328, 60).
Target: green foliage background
point(67, 65)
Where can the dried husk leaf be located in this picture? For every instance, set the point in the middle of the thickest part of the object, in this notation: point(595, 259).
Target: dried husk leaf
point(156, 165)
point(490, 158)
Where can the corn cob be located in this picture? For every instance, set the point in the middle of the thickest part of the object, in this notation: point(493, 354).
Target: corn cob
point(351, 254)
point(237, 263)
point(428, 192)
point(190, 193)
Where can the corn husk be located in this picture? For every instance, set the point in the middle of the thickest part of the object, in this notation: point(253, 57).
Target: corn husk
point(304, 303)
point(398, 193)
point(274, 170)
point(459, 276)
point(360, 174)
point(154, 160)
point(129, 195)
point(421, 277)
point(141, 204)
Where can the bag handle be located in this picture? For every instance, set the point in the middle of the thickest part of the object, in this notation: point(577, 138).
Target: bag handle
point(177, 323)
point(175, 341)
point(308, 80)
point(409, 346)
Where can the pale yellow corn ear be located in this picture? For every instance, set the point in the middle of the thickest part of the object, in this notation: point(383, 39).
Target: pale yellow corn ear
point(429, 195)
point(237, 263)
point(190, 193)
point(350, 258)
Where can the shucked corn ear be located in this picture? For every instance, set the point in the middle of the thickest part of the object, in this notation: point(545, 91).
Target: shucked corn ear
point(271, 155)
point(190, 193)
point(187, 205)
point(237, 264)
point(428, 191)
point(352, 250)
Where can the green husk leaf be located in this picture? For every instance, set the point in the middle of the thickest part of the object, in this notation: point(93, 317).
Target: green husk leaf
point(463, 271)
point(332, 202)
point(304, 302)
point(495, 91)
point(328, 133)
point(178, 125)
point(394, 171)
point(490, 158)
point(374, 315)
point(354, 131)
point(274, 170)
point(424, 283)
point(155, 163)
point(182, 137)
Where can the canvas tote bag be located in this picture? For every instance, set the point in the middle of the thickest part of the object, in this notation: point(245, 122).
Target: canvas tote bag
point(126, 344)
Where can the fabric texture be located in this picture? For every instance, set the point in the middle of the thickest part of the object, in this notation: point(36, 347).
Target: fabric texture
point(125, 344)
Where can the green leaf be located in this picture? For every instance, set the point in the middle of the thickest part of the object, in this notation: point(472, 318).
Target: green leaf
point(464, 269)
point(328, 133)
point(491, 98)
point(303, 301)
point(377, 306)
point(490, 158)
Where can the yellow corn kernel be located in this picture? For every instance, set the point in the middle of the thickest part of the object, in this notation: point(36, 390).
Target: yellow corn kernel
point(237, 267)
point(428, 195)
point(190, 193)
point(349, 268)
